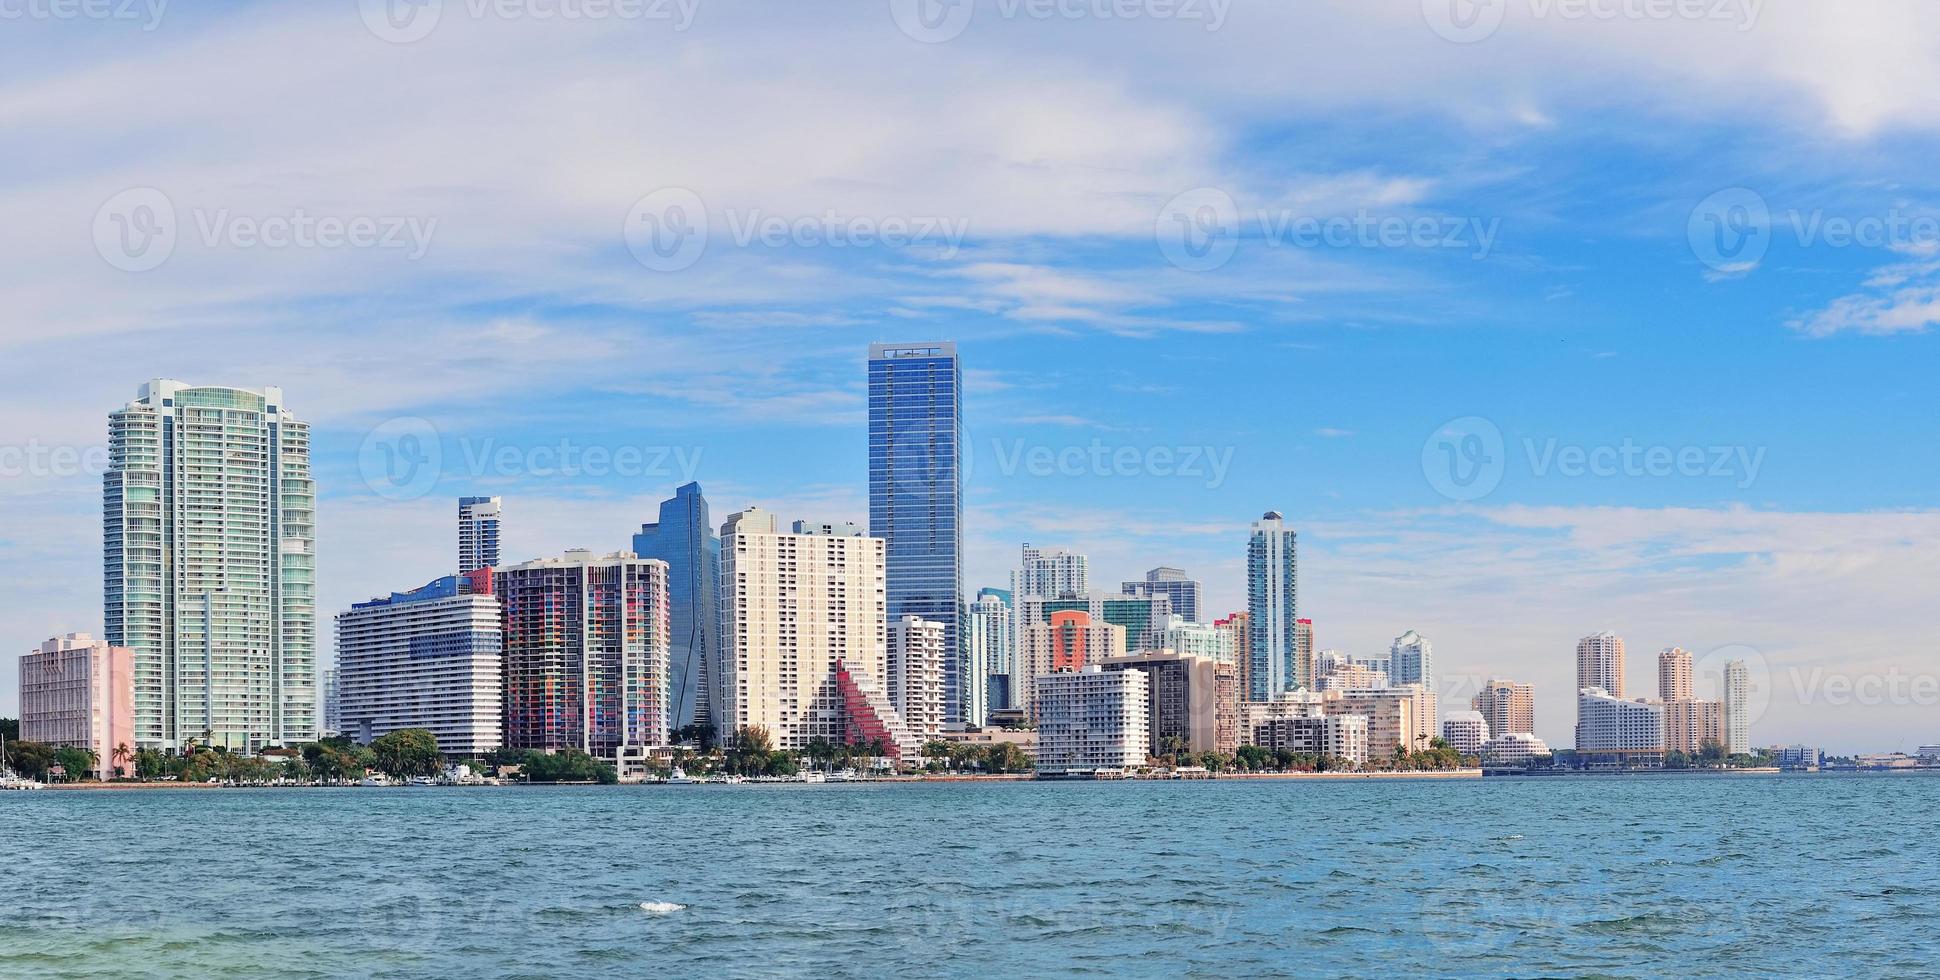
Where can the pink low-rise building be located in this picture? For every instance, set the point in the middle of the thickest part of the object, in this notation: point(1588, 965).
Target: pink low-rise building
point(79, 692)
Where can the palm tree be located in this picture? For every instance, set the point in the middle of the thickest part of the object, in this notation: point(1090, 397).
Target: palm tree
point(123, 755)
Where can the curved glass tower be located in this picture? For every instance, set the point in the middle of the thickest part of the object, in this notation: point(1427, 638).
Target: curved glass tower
point(684, 539)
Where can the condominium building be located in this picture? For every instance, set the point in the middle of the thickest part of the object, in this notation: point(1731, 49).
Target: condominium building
point(1070, 641)
point(1737, 708)
point(333, 704)
point(987, 639)
point(916, 493)
point(1674, 675)
point(478, 532)
point(1399, 719)
point(79, 692)
point(1303, 723)
point(1303, 645)
point(1174, 584)
point(1208, 640)
point(916, 674)
point(804, 636)
point(1599, 662)
point(1612, 733)
point(1049, 573)
point(1092, 721)
point(1507, 706)
point(1690, 723)
point(209, 529)
point(1513, 749)
point(1411, 660)
point(429, 658)
point(1144, 618)
point(1272, 605)
point(1239, 626)
point(1194, 704)
point(1335, 671)
point(684, 538)
point(1465, 731)
point(586, 661)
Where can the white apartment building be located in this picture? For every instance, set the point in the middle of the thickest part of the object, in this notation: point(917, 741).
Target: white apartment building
point(1302, 722)
point(1092, 721)
point(479, 520)
point(1397, 717)
point(1612, 733)
point(1214, 643)
point(1513, 749)
point(1599, 662)
point(1048, 573)
point(1070, 641)
point(1465, 731)
point(986, 641)
point(1737, 708)
point(916, 674)
point(430, 658)
point(1411, 660)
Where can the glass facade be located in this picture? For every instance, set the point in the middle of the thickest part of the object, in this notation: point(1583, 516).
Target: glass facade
point(684, 538)
point(915, 493)
point(1272, 606)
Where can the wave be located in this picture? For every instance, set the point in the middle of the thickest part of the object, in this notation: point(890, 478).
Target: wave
point(661, 908)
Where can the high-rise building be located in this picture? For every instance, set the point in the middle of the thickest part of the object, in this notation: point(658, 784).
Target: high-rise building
point(1303, 644)
point(333, 705)
point(1411, 660)
point(1305, 723)
point(804, 637)
point(1174, 584)
point(1346, 675)
point(1239, 624)
point(1612, 733)
point(1093, 721)
point(478, 527)
point(916, 493)
point(1674, 675)
point(986, 637)
point(1070, 641)
point(1737, 708)
point(209, 556)
point(684, 538)
point(1690, 723)
point(1398, 718)
point(1049, 573)
point(1508, 707)
point(916, 674)
point(1599, 663)
point(1514, 749)
point(586, 660)
point(1207, 640)
point(429, 658)
point(1192, 699)
point(1272, 606)
point(1144, 618)
point(79, 692)
point(1465, 731)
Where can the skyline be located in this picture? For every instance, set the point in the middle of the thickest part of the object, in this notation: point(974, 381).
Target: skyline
point(1319, 377)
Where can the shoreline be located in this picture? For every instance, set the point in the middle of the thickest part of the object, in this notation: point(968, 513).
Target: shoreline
point(940, 778)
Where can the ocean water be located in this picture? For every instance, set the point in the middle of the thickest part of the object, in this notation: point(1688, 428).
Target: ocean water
point(1651, 876)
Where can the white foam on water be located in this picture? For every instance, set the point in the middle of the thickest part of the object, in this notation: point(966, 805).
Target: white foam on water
point(660, 908)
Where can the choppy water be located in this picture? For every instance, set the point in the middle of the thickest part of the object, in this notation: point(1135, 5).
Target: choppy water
point(1646, 876)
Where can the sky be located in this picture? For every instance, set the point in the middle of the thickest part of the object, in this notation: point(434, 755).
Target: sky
point(1537, 318)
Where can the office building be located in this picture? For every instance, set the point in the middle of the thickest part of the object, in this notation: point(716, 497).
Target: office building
point(1674, 675)
point(79, 692)
point(1612, 733)
point(1806, 757)
point(1070, 641)
point(1144, 618)
point(804, 637)
point(1175, 585)
point(430, 658)
point(1092, 722)
point(684, 538)
point(586, 654)
point(987, 638)
point(1690, 723)
point(209, 557)
point(1737, 708)
point(916, 674)
point(1194, 704)
point(916, 493)
point(1599, 663)
point(1208, 640)
point(478, 533)
point(1507, 706)
point(1272, 606)
point(1465, 731)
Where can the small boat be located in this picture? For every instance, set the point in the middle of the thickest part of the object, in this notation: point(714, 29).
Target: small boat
point(814, 777)
point(378, 779)
point(679, 777)
point(421, 781)
point(10, 781)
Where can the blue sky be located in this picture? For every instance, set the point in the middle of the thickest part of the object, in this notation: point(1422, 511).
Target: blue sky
point(1031, 172)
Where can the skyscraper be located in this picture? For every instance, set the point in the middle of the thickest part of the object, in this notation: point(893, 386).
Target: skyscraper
point(1411, 660)
point(916, 674)
point(916, 492)
point(1737, 708)
point(1241, 628)
point(1272, 606)
point(987, 637)
point(429, 658)
point(1509, 707)
point(1049, 573)
point(478, 524)
point(1174, 584)
point(1599, 663)
point(586, 663)
point(684, 538)
point(1674, 675)
point(210, 565)
point(1068, 642)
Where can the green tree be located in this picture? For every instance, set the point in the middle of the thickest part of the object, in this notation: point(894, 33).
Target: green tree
point(10, 729)
point(568, 766)
point(78, 763)
point(31, 759)
point(123, 758)
point(1712, 753)
point(408, 752)
point(1006, 757)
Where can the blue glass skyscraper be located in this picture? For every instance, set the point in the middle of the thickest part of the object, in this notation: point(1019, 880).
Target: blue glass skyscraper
point(684, 538)
point(916, 492)
point(1273, 610)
